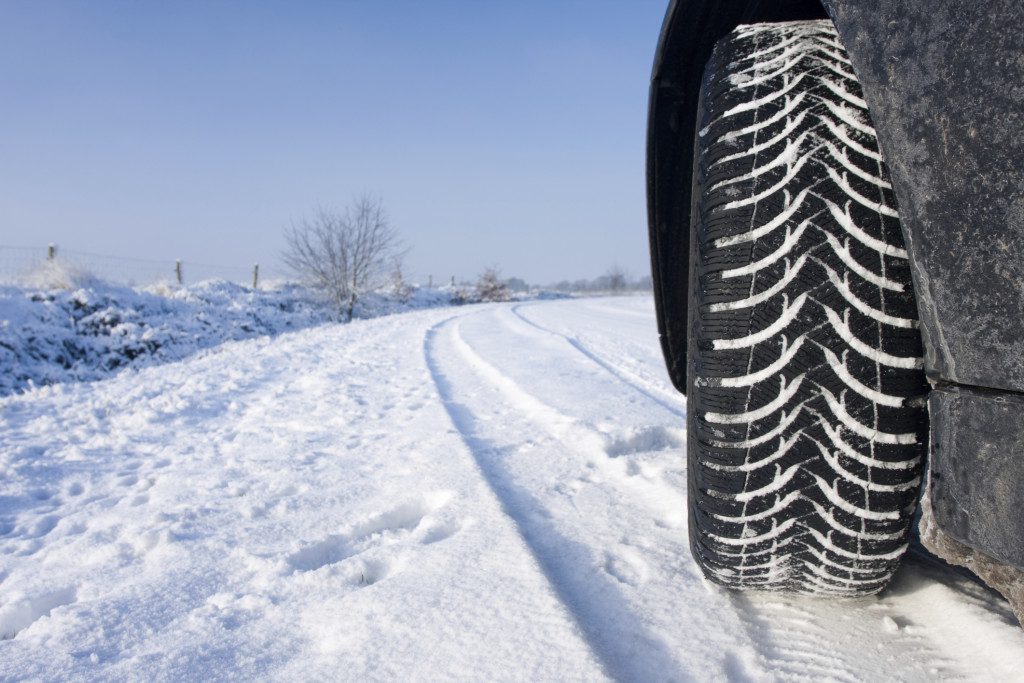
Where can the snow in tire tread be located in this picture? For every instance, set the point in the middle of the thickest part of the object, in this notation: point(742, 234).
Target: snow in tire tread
point(807, 424)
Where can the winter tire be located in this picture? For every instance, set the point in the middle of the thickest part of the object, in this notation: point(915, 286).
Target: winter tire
point(807, 425)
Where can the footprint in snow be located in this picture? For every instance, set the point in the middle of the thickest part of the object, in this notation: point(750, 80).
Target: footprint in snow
point(329, 551)
point(18, 615)
point(43, 526)
point(397, 525)
point(42, 494)
point(645, 440)
point(627, 565)
point(571, 488)
point(441, 531)
point(370, 572)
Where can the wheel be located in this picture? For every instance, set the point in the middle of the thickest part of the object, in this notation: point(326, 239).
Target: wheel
point(806, 419)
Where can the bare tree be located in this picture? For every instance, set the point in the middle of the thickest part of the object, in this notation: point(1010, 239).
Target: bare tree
point(616, 279)
point(345, 254)
point(490, 286)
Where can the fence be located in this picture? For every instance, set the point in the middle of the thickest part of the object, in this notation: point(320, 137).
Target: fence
point(22, 264)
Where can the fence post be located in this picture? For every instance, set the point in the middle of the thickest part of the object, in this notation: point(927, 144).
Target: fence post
point(177, 269)
point(255, 275)
point(51, 252)
point(453, 280)
point(430, 282)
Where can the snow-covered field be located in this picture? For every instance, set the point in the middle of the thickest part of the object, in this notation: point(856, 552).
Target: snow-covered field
point(491, 492)
point(88, 329)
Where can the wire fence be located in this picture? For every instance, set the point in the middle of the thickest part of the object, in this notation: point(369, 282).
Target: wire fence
point(54, 266)
point(19, 265)
point(36, 265)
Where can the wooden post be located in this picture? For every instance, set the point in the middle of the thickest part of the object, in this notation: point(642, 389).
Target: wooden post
point(177, 270)
point(453, 280)
point(51, 252)
point(255, 275)
point(430, 282)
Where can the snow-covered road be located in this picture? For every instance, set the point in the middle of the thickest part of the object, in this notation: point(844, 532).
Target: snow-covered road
point(484, 493)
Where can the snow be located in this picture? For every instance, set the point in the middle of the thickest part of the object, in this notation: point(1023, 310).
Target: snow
point(68, 326)
point(89, 332)
point(487, 492)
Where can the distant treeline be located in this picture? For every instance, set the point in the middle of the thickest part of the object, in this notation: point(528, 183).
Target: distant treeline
point(615, 280)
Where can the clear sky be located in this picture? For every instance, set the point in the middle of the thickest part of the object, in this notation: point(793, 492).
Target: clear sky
point(505, 133)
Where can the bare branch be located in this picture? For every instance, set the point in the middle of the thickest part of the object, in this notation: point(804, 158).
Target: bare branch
point(345, 254)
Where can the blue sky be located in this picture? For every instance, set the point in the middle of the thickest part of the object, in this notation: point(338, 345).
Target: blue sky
point(496, 133)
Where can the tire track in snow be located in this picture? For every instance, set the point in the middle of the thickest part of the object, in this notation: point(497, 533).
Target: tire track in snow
point(589, 443)
point(798, 638)
point(618, 372)
point(802, 638)
point(563, 560)
point(788, 636)
point(600, 581)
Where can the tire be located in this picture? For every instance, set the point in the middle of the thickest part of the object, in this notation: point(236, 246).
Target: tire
point(806, 421)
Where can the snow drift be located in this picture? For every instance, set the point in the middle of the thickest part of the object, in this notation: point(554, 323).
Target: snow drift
point(68, 326)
